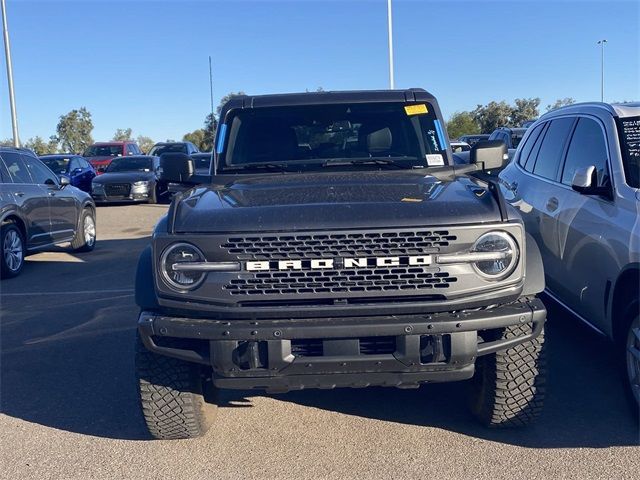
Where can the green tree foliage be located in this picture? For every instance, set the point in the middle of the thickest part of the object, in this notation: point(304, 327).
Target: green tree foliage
point(145, 143)
point(74, 130)
point(7, 142)
point(462, 123)
point(492, 115)
point(523, 110)
point(42, 147)
point(561, 102)
point(122, 134)
point(198, 138)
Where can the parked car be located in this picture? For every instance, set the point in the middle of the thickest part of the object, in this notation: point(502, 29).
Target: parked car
point(510, 136)
point(100, 154)
point(76, 168)
point(458, 147)
point(202, 162)
point(38, 210)
point(129, 179)
point(313, 261)
point(173, 147)
point(473, 139)
point(576, 179)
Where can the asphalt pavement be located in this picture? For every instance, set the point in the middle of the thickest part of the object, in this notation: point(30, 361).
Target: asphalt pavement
point(69, 409)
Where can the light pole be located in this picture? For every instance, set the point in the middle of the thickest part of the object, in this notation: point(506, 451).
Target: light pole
point(12, 98)
point(601, 43)
point(390, 33)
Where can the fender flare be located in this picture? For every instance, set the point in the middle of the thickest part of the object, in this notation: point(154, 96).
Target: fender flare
point(534, 269)
point(145, 296)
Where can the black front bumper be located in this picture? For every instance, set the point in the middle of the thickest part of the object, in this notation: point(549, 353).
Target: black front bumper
point(288, 354)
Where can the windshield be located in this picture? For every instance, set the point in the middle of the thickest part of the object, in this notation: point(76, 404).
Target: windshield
point(158, 150)
point(129, 164)
point(318, 135)
point(103, 151)
point(629, 129)
point(57, 165)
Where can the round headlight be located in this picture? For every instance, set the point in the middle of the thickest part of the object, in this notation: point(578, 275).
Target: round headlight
point(179, 279)
point(505, 259)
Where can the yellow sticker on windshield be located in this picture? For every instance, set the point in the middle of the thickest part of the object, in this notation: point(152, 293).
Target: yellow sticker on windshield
point(419, 109)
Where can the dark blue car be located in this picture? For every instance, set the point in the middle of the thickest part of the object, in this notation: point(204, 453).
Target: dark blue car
point(76, 168)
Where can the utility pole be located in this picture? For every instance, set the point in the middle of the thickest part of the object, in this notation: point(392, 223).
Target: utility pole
point(601, 43)
point(214, 155)
point(390, 33)
point(12, 98)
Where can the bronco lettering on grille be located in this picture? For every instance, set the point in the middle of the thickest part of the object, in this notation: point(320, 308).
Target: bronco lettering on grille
point(337, 263)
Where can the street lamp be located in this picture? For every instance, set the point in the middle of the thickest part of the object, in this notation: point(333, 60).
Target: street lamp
point(390, 33)
point(12, 99)
point(601, 43)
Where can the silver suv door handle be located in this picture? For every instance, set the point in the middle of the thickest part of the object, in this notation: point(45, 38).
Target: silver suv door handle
point(19, 194)
point(552, 204)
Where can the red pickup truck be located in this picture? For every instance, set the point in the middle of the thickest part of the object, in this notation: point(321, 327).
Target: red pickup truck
point(100, 154)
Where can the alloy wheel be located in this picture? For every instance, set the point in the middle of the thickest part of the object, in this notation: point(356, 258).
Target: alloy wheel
point(89, 231)
point(12, 249)
point(633, 358)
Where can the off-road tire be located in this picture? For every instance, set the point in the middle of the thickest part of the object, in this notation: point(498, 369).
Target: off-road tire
point(508, 387)
point(172, 396)
point(10, 230)
point(79, 243)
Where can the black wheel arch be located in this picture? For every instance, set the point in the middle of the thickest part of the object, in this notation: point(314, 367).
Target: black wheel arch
point(145, 290)
point(625, 301)
point(534, 277)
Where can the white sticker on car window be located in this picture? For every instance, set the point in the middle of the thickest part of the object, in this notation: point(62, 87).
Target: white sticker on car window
point(435, 160)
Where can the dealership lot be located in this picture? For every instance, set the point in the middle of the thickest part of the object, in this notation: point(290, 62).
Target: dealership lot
point(70, 409)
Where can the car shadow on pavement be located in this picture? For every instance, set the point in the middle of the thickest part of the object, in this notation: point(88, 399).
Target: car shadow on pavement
point(67, 363)
point(585, 404)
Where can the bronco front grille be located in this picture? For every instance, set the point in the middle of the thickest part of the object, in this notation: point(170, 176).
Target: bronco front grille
point(331, 245)
point(335, 281)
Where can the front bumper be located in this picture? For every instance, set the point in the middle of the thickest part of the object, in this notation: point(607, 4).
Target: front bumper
point(132, 197)
point(290, 354)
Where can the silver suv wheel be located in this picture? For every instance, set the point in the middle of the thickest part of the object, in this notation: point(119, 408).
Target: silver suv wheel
point(89, 231)
point(633, 358)
point(13, 250)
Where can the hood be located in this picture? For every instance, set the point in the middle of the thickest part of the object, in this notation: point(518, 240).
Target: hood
point(342, 200)
point(124, 177)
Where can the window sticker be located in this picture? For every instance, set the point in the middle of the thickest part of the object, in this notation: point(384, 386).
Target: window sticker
point(435, 160)
point(419, 109)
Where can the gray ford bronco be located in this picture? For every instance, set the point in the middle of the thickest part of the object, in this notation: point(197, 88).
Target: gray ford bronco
point(335, 244)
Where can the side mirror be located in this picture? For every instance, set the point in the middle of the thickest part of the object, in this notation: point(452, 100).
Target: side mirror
point(489, 154)
point(176, 168)
point(64, 181)
point(77, 170)
point(585, 181)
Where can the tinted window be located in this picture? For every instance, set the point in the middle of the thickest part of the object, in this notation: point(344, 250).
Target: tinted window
point(103, 151)
point(587, 148)
point(528, 146)
point(4, 174)
point(131, 164)
point(58, 164)
point(313, 134)
point(158, 150)
point(535, 148)
point(40, 174)
point(548, 159)
point(17, 168)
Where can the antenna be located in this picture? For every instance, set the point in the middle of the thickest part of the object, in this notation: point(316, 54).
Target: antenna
point(214, 156)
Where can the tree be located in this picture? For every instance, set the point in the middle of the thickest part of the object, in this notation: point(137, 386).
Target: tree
point(145, 143)
point(211, 122)
point(122, 134)
point(74, 130)
point(492, 115)
point(197, 137)
point(561, 102)
point(40, 146)
point(524, 109)
point(462, 123)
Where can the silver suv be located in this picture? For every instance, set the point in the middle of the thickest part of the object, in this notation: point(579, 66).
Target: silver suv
point(575, 179)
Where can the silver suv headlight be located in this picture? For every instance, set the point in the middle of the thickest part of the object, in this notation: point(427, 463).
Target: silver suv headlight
point(176, 278)
point(503, 255)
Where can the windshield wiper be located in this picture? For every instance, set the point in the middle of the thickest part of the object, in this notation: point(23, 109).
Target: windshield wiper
point(366, 161)
point(282, 167)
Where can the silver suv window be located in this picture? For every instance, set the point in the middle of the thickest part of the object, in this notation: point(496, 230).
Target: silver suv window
point(550, 154)
point(588, 147)
point(17, 168)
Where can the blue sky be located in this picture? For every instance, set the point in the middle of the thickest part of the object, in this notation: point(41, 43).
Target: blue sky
point(143, 64)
